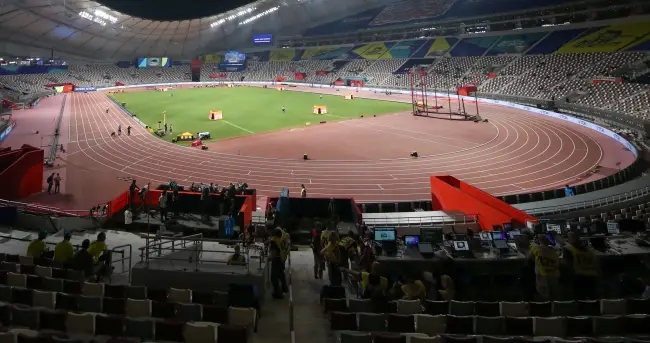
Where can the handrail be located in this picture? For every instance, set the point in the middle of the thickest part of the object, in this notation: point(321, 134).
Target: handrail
point(123, 259)
point(35, 207)
point(420, 220)
point(55, 140)
point(292, 331)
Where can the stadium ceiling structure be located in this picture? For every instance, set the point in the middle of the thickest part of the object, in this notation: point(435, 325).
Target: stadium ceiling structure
point(86, 29)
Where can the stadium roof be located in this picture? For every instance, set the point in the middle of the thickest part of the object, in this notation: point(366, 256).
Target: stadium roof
point(88, 29)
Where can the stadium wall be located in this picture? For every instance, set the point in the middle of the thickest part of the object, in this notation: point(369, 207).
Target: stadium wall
point(547, 113)
point(22, 172)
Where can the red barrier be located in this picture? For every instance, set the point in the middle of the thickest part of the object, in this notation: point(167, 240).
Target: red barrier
point(22, 174)
point(118, 84)
point(247, 209)
point(451, 194)
point(465, 91)
point(300, 76)
point(117, 204)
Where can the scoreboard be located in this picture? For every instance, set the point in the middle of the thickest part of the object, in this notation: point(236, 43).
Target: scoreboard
point(233, 61)
point(145, 62)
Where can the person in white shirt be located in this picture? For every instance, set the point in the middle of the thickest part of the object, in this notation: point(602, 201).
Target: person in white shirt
point(163, 205)
point(128, 217)
point(303, 191)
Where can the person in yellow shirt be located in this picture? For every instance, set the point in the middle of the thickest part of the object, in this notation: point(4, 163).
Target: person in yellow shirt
point(37, 248)
point(547, 268)
point(98, 247)
point(371, 283)
point(64, 251)
point(237, 258)
point(412, 289)
point(581, 260)
point(277, 257)
point(334, 254)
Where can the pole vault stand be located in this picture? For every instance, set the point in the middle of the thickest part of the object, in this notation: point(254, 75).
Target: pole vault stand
point(422, 105)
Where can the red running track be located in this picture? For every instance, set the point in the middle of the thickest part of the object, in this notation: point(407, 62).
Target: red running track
point(367, 158)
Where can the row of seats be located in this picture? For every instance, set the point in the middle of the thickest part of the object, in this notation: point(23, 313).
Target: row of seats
point(516, 326)
point(383, 337)
point(493, 309)
point(85, 326)
point(129, 307)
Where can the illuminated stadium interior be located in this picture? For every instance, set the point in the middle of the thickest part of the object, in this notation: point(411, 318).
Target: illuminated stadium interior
point(495, 151)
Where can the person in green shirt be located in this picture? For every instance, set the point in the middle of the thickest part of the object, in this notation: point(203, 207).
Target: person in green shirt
point(37, 247)
point(98, 247)
point(64, 251)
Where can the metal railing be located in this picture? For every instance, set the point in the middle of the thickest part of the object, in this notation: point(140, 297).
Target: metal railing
point(392, 219)
point(55, 140)
point(292, 331)
point(43, 209)
point(161, 248)
point(594, 203)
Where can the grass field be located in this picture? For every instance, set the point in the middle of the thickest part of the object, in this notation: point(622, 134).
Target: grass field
point(246, 110)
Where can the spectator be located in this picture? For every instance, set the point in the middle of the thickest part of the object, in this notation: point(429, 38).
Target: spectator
point(64, 251)
point(163, 205)
point(237, 258)
point(37, 247)
point(57, 183)
point(132, 189)
point(316, 247)
point(568, 191)
point(276, 255)
point(83, 260)
point(303, 191)
point(371, 282)
point(547, 272)
point(447, 289)
point(412, 289)
point(581, 260)
point(98, 247)
point(334, 254)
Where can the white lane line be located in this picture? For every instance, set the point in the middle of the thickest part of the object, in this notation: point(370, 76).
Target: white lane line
point(237, 126)
point(380, 187)
point(393, 177)
point(249, 172)
point(513, 185)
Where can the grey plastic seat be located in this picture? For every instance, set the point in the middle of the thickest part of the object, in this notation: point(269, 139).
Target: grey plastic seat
point(25, 317)
point(141, 328)
point(374, 322)
point(52, 285)
point(189, 312)
point(354, 337)
point(490, 325)
point(90, 304)
point(359, 305)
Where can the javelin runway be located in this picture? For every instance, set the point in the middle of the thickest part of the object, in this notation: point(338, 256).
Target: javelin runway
point(367, 158)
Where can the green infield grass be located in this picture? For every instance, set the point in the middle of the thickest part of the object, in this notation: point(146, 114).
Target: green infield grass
point(246, 110)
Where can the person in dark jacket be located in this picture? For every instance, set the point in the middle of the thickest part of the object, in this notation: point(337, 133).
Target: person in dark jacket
point(83, 260)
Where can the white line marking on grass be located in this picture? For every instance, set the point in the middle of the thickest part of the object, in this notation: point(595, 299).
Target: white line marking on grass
point(237, 126)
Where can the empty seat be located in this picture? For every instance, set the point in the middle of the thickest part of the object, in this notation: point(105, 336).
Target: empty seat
point(138, 308)
point(10, 337)
point(541, 309)
point(460, 325)
point(89, 304)
point(613, 307)
point(340, 305)
point(5, 293)
point(430, 325)
point(519, 326)
point(636, 324)
point(461, 308)
point(43, 271)
point(167, 330)
point(200, 333)
point(106, 325)
point(115, 291)
point(409, 307)
point(487, 309)
point(607, 325)
point(179, 295)
point(514, 309)
point(221, 298)
point(66, 302)
point(52, 320)
point(491, 339)
point(436, 307)
point(343, 321)
point(92, 289)
point(5, 313)
point(565, 308)
point(136, 292)
point(579, 326)
point(383, 337)
point(114, 306)
point(203, 298)
point(638, 306)
point(28, 269)
point(59, 273)
point(9, 266)
point(52, 284)
point(156, 294)
point(189, 312)
point(34, 282)
point(16, 280)
point(374, 322)
point(72, 286)
point(26, 260)
point(21, 296)
point(231, 334)
point(75, 275)
point(44, 299)
point(490, 325)
point(400, 323)
point(215, 314)
point(80, 323)
point(240, 316)
point(25, 317)
point(425, 339)
point(588, 308)
point(163, 310)
point(360, 305)
point(355, 337)
point(549, 326)
point(141, 328)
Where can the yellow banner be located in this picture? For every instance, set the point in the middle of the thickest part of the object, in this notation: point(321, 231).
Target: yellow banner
point(373, 51)
point(609, 39)
point(309, 53)
point(439, 46)
point(213, 58)
point(283, 55)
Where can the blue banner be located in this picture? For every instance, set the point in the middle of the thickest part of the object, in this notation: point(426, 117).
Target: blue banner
point(85, 89)
point(36, 69)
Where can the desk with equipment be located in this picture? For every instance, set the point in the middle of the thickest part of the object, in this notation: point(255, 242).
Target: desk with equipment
point(503, 251)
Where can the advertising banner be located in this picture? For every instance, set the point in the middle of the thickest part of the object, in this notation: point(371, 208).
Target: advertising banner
point(85, 89)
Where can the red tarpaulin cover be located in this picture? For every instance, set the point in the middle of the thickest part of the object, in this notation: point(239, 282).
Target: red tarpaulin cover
point(322, 72)
point(196, 143)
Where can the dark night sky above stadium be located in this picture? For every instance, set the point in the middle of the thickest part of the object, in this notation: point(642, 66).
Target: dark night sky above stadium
point(173, 9)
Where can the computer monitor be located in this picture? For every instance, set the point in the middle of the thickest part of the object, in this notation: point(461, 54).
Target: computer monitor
point(513, 234)
point(507, 227)
point(385, 235)
point(431, 235)
point(485, 236)
point(498, 235)
point(411, 240)
point(461, 246)
point(497, 228)
point(613, 228)
point(554, 228)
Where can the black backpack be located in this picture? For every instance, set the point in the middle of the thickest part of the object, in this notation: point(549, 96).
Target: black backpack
point(49, 179)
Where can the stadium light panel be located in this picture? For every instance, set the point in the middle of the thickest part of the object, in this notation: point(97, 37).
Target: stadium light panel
point(104, 15)
point(93, 18)
point(233, 16)
point(260, 15)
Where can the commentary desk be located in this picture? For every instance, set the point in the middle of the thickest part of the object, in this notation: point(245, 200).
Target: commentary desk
point(623, 253)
